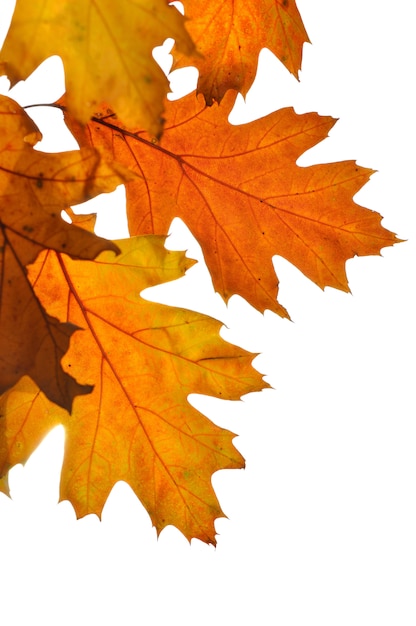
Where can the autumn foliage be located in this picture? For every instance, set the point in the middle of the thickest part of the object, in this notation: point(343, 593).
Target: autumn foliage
point(79, 345)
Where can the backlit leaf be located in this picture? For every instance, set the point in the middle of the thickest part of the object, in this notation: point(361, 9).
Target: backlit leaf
point(106, 48)
point(229, 36)
point(243, 196)
point(144, 360)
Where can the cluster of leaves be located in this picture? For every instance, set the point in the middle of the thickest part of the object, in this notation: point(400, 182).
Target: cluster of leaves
point(79, 345)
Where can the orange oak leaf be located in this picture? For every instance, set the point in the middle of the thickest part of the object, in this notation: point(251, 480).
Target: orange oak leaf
point(106, 48)
point(144, 359)
point(34, 189)
point(241, 193)
point(229, 36)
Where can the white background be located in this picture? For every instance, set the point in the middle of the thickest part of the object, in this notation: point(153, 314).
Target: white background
point(322, 523)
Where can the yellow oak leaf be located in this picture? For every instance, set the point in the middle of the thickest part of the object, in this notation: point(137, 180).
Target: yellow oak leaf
point(106, 48)
point(144, 359)
point(229, 35)
point(34, 188)
point(26, 417)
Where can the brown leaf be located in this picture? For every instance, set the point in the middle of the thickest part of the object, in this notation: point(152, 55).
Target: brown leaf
point(229, 36)
point(144, 360)
point(241, 193)
point(34, 189)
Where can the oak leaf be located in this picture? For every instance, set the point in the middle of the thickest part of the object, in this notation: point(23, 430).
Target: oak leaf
point(144, 360)
point(34, 188)
point(229, 36)
point(241, 193)
point(106, 49)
